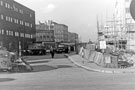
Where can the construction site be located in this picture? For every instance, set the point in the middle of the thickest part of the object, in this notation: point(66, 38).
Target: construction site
point(116, 38)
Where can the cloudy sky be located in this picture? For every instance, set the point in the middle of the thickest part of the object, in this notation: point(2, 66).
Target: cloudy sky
point(79, 15)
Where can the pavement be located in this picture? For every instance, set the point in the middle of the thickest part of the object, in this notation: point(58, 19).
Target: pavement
point(90, 66)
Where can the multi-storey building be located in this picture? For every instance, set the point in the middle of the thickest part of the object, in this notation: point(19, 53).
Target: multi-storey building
point(60, 32)
point(51, 32)
point(17, 25)
point(73, 37)
point(44, 35)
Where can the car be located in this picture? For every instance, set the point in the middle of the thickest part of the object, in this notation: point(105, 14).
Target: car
point(60, 50)
point(48, 51)
point(38, 51)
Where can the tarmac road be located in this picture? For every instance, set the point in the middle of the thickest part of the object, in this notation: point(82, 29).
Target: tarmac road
point(61, 74)
point(47, 56)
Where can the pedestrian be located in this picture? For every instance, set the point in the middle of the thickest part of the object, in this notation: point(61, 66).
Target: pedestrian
point(52, 52)
point(67, 50)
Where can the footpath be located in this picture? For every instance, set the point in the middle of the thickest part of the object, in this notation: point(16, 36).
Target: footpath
point(90, 66)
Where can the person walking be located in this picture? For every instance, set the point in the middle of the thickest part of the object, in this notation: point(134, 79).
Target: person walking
point(52, 52)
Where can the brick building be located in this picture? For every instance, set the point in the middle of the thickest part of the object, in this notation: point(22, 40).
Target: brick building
point(17, 25)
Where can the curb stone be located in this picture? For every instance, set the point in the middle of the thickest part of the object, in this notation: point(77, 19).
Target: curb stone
point(97, 70)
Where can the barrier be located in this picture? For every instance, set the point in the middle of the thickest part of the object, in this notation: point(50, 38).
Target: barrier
point(86, 54)
point(92, 56)
point(98, 58)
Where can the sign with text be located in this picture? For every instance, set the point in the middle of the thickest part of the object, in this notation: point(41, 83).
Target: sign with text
point(102, 44)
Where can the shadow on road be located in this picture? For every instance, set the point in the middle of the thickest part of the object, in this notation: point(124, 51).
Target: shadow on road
point(43, 68)
point(40, 68)
point(6, 79)
point(63, 66)
point(38, 62)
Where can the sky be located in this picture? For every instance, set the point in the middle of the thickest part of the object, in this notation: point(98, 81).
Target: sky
point(79, 15)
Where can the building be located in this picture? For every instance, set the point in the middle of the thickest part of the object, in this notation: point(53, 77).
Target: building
point(60, 32)
point(17, 25)
point(44, 35)
point(73, 37)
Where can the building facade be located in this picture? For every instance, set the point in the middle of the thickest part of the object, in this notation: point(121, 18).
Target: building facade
point(45, 36)
point(73, 37)
point(60, 32)
point(17, 25)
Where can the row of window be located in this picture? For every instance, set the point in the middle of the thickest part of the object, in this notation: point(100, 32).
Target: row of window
point(11, 33)
point(14, 20)
point(12, 7)
point(44, 36)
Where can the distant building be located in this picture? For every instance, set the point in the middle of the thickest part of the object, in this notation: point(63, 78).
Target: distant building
point(17, 25)
point(44, 35)
point(73, 37)
point(60, 32)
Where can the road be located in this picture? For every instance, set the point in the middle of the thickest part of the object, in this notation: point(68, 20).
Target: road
point(61, 74)
point(48, 56)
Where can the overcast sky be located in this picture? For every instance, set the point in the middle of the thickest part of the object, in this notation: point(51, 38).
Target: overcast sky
point(79, 15)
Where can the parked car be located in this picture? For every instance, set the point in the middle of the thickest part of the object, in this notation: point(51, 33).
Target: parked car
point(38, 51)
point(60, 50)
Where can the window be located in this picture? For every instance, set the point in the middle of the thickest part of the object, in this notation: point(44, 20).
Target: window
point(31, 36)
point(6, 5)
point(1, 3)
point(11, 19)
point(30, 15)
point(7, 32)
point(10, 33)
point(31, 25)
point(15, 9)
point(27, 35)
point(6, 18)
point(2, 32)
point(22, 34)
point(20, 11)
point(16, 34)
point(1, 16)
point(17, 21)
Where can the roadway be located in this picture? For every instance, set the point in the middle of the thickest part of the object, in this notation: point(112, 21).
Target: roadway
point(61, 74)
